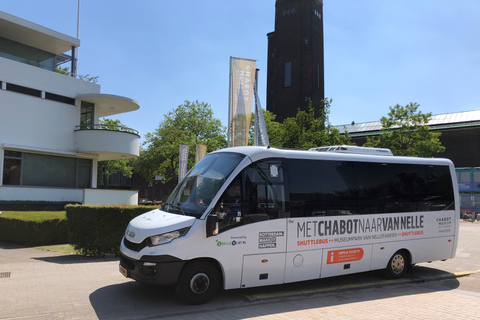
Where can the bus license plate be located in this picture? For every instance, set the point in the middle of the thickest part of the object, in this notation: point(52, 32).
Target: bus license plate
point(124, 271)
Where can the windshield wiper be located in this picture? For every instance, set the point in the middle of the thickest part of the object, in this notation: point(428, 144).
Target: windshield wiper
point(174, 208)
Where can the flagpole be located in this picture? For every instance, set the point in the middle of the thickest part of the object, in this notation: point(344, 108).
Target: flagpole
point(255, 92)
point(229, 128)
point(78, 34)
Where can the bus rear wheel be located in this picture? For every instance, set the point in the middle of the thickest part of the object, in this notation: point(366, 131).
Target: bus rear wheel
point(198, 282)
point(397, 265)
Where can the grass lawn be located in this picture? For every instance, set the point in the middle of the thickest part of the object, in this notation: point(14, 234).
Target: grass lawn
point(37, 216)
point(65, 249)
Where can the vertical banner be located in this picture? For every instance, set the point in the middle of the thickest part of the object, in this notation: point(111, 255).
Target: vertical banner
point(201, 152)
point(261, 136)
point(240, 100)
point(183, 161)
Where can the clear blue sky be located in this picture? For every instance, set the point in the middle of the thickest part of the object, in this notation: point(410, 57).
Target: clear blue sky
point(377, 53)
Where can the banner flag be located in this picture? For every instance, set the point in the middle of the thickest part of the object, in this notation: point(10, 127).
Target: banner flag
point(201, 152)
point(261, 135)
point(240, 100)
point(183, 161)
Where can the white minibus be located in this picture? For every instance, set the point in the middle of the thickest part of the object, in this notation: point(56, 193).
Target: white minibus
point(254, 216)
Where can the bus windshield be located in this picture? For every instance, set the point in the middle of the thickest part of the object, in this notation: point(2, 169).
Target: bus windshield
point(197, 189)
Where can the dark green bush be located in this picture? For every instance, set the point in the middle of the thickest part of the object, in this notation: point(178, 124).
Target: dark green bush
point(32, 233)
point(33, 205)
point(96, 230)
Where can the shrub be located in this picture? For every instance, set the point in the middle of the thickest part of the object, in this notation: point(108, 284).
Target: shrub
point(96, 230)
point(33, 233)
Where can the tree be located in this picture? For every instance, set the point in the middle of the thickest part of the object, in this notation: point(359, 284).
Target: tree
point(190, 123)
point(305, 130)
point(109, 167)
point(405, 132)
point(87, 77)
point(273, 128)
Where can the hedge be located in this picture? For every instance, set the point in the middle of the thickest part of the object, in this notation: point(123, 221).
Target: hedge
point(33, 205)
point(31, 233)
point(96, 230)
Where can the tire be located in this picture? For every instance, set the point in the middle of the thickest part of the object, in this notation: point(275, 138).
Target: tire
point(397, 265)
point(198, 282)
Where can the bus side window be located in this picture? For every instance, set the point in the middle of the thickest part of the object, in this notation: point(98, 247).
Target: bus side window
point(265, 192)
point(322, 188)
point(229, 209)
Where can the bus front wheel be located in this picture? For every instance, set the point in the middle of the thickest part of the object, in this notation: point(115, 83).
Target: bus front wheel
point(198, 282)
point(397, 265)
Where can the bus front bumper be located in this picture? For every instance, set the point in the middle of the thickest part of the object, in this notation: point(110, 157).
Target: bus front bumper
point(160, 270)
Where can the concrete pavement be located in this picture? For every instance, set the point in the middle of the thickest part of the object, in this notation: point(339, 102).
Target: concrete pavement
point(38, 284)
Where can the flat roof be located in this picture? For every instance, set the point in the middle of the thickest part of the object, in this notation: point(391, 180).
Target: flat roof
point(34, 35)
point(437, 122)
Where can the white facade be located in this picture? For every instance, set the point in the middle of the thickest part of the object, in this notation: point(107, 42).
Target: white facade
point(50, 140)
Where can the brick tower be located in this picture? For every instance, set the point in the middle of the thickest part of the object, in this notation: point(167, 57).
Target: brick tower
point(295, 71)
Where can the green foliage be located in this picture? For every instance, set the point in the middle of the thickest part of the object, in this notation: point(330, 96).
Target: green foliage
point(64, 249)
point(109, 167)
point(33, 228)
point(307, 129)
point(87, 77)
point(273, 128)
point(36, 216)
point(405, 132)
point(65, 71)
point(33, 205)
point(96, 230)
point(190, 123)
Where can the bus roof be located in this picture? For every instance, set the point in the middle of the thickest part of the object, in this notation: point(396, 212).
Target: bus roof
point(258, 153)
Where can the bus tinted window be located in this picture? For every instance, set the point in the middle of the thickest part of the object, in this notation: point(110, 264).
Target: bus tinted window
point(433, 189)
point(265, 191)
point(326, 188)
point(322, 188)
point(385, 188)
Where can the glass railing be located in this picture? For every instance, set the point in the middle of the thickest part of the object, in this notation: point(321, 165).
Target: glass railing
point(26, 61)
point(106, 127)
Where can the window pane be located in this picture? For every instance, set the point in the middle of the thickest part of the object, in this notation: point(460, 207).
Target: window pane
point(50, 171)
point(288, 74)
point(465, 176)
point(264, 191)
point(433, 188)
point(84, 173)
point(322, 188)
point(12, 171)
point(13, 154)
point(476, 176)
point(385, 188)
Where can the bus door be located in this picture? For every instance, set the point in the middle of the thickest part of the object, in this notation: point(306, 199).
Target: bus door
point(322, 198)
point(264, 217)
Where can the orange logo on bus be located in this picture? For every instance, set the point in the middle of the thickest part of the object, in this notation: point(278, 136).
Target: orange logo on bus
point(344, 255)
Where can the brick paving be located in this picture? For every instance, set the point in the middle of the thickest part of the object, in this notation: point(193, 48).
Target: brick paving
point(38, 284)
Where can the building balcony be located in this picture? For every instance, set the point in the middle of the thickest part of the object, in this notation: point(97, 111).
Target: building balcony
point(109, 104)
point(107, 142)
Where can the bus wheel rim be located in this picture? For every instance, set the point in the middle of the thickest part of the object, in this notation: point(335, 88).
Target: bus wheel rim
point(398, 264)
point(199, 283)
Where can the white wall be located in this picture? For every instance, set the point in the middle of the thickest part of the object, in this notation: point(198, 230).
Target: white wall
point(107, 197)
point(40, 194)
point(31, 121)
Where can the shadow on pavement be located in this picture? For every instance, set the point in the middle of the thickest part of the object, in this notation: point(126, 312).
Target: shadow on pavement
point(10, 246)
point(71, 259)
point(17, 253)
point(134, 300)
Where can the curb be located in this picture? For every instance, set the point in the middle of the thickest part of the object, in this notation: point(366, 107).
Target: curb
point(309, 292)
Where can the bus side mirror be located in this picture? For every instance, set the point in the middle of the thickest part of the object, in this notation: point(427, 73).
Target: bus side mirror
point(212, 225)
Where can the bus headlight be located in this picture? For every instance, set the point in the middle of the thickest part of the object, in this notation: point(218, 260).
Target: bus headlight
point(167, 237)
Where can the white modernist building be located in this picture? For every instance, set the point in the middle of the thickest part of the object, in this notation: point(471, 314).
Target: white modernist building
point(50, 137)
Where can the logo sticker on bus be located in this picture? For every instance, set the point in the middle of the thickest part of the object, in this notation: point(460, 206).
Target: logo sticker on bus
point(344, 255)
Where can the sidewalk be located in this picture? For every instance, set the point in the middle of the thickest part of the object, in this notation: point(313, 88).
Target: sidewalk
point(38, 284)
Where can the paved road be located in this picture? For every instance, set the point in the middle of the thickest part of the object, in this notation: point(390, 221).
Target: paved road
point(36, 284)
